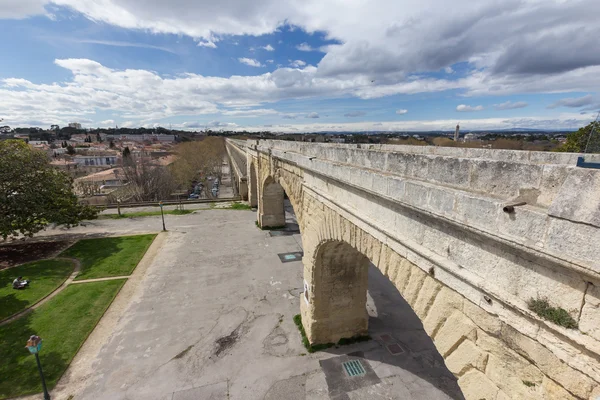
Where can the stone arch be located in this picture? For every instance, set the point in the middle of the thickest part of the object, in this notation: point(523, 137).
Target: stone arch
point(337, 254)
point(253, 185)
point(271, 213)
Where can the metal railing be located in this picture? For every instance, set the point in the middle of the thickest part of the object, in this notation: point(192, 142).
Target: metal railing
point(169, 202)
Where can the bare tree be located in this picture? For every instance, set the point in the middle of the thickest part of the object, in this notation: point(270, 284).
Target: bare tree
point(147, 181)
point(197, 161)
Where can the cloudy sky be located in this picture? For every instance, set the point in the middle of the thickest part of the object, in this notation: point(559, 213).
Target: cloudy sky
point(300, 65)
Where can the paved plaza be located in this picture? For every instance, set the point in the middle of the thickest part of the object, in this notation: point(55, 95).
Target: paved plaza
point(209, 316)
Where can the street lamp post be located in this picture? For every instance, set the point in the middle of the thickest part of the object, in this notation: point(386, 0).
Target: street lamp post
point(34, 345)
point(162, 213)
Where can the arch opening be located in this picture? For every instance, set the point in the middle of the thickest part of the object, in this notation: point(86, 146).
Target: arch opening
point(352, 297)
point(271, 212)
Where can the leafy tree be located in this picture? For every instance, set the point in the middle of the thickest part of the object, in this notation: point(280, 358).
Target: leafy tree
point(126, 152)
point(111, 144)
point(577, 141)
point(70, 150)
point(98, 138)
point(33, 194)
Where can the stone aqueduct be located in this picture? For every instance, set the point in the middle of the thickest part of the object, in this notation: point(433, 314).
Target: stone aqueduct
point(432, 220)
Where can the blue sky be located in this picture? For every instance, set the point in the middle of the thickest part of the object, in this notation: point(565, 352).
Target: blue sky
point(199, 65)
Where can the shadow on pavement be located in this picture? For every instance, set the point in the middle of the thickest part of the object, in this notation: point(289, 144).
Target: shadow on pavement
point(418, 366)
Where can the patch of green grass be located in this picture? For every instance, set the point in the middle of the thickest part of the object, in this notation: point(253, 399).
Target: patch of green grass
point(311, 348)
point(63, 323)
point(104, 257)
point(557, 315)
point(45, 276)
point(144, 214)
point(528, 383)
point(239, 206)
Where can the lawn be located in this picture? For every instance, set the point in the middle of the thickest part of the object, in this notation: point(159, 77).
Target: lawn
point(144, 214)
point(45, 276)
point(106, 257)
point(63, 323)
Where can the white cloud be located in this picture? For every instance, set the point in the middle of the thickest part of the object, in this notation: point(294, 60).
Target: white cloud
point(269, 61)
point(250, 113)
point(508, 105)
point(574, 102)
point(312, 115)
point(466, 108)
point(449, 70)
point(250, 61)
point(207, 43)
point(107, 122)
point(297, 63)
point(401, 112)
point(304, 47)
point(565, 121)
point(268, 48)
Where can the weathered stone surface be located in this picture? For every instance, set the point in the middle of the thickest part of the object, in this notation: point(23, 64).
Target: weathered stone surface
point(552, 391)
point(590, 314)
point(465, 357)
point(486, 321)
point(456, 329)
point(548, 363)
point(415, 283)
point(578, 198)
point(426, 296)
point(444, 304)
point(476, 386)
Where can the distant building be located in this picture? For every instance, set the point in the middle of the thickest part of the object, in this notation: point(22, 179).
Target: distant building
point(38, 142)
point(96, 160)
point(162, 138)
point(75, 125)
point(470, 137)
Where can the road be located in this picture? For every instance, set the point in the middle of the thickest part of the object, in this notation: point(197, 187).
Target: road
point(210, 317)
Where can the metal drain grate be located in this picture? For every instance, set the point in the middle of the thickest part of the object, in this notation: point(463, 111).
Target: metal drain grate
point(354, 368)
point(288, 257)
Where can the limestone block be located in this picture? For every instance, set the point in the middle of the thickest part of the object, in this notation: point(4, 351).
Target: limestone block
point(508, 370)
point(553, 177)
point(415, 282)
point(504, 179)
point(456, 328)
point(590, 314)
point(476, 386)
point(426, 296)
point(525, 224)
point(465, 357)
point(502, 396)
point(552, 391)
point(574, 381)
point(400, 272)
point(477, 211)
point(510, 377)
point(483, 319)
point(576, 241)
point(445, 302)
point(578, 198)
